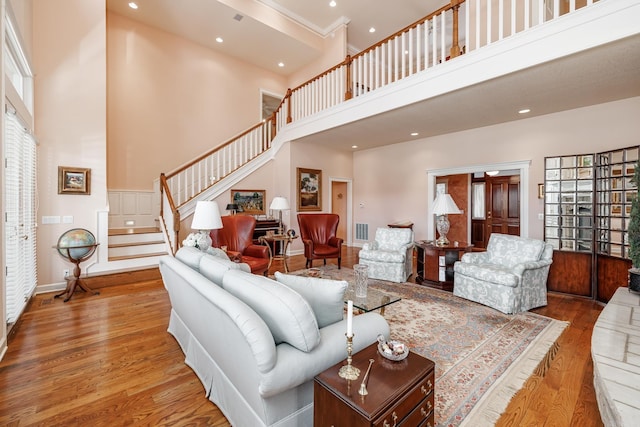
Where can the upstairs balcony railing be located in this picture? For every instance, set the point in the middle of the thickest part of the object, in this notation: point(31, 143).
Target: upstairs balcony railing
point(430, 41)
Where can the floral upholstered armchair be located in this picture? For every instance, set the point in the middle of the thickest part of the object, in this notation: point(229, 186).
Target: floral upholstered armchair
point(390, 255)
point(511, 276)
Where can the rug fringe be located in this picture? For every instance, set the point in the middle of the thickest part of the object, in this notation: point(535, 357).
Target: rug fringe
point(536, 360)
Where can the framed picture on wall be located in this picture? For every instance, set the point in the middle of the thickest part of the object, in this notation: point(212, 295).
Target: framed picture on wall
point(250, 202)
point(74, 180)
point(309, 189)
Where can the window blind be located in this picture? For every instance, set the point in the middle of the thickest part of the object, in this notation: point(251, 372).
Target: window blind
point(20, 216)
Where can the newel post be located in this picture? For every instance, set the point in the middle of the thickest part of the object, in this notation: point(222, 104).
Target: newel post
point(455, 47)
point(288, 96)
point(349, 93)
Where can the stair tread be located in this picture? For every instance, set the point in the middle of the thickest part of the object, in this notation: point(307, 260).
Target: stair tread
point(150, 255)
point(124, 245)
point(133, 230)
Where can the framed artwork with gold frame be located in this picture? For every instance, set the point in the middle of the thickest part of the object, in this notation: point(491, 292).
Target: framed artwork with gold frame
point(73, 180)
point(309, 189)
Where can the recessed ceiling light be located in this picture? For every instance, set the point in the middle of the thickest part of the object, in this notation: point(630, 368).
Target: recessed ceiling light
point(219, 39)
point(354, 146)
point(524, 111)
point(280, 64)
point(414, 133)
point(332, 3)
point(133, 5)
point(372, 30)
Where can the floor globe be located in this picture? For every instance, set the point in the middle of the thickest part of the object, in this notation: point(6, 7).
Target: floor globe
point(76, 245)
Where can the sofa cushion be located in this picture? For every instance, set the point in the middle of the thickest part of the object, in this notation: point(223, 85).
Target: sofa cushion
point(213, 267)
point(488, 272)
point(217, 252)
point(325, 296)
point(287, 314)
point(190, 256)
point(509, 250)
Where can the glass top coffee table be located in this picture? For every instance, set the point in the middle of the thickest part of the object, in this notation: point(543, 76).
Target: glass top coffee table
point(374, 300)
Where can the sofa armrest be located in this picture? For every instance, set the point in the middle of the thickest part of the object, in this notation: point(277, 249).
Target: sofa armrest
point(370, 246)
point(531, 265)
point(295, 367)
point(475, 257)
point(336, 242)
point(257, 251)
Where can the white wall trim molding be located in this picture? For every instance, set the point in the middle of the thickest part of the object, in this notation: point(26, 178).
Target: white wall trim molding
point(523, 166)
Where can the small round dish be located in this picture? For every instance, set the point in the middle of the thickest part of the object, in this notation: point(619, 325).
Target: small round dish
point(393, 355)
point(314, 272)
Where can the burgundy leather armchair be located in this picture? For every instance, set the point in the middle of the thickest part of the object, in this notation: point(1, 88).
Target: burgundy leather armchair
point(237, 235)
point(318, 233)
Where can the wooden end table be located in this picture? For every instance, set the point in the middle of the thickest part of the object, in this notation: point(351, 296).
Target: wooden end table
point(435, 263)
point(399, 393)
point(285, 240)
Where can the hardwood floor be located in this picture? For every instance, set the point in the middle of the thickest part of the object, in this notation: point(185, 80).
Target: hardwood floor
point(108, 360)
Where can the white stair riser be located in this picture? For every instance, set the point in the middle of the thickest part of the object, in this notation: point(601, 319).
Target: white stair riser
point(136, 238)
point(137, 250)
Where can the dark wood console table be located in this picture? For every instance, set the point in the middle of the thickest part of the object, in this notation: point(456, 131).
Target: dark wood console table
point(435, 263)
point(399, 393)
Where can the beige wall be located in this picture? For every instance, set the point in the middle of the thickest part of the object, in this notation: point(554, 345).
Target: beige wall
point(392, 181)
point(171, 100)
point(69, 46)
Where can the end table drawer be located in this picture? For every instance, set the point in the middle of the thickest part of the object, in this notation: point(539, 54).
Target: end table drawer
point(421, 394)
point(424, 412)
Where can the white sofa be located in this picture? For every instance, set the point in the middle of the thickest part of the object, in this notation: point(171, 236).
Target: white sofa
point(255, 343)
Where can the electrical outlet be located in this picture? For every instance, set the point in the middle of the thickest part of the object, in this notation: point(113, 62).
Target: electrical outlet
point(65, 273)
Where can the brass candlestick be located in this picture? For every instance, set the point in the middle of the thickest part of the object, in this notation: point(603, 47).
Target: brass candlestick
point(348, 371)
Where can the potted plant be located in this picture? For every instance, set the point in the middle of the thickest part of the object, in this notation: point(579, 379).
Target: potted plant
point(633, 232)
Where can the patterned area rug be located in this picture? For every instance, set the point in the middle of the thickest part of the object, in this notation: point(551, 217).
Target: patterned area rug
point(483, 357)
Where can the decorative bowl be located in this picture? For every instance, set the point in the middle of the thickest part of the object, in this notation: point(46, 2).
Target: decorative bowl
point(314, 272)
point(386, 349)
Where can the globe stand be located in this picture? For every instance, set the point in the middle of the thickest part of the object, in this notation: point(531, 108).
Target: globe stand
point(74, 282)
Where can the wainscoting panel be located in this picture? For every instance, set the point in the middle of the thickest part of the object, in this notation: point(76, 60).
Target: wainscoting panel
point(129, 208)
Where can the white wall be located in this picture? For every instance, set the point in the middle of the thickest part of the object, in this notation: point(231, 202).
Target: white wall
point(391, 181)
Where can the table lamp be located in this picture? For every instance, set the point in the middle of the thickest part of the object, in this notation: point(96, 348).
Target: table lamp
point(233, 208)
point(443, 205)
point(279, 204)
point(205, 219)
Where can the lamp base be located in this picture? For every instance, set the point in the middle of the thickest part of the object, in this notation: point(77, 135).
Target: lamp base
point(442, 225)
point(204, 240)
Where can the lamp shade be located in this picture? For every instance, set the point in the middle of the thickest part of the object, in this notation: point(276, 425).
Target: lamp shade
point(444, 205)
point(279, 204)
point(206, 216)
point(232, 207)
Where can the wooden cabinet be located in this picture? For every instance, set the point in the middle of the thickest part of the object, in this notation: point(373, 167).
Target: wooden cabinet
point(399, 393)
point(435, 264)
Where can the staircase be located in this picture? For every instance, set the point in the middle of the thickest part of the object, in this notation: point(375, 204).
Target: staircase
point(144, 244)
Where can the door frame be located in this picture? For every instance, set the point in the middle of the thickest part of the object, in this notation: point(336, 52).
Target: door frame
point(523, 166)
point(349, 204)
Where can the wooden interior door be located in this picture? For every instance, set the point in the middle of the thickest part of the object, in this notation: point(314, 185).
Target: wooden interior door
point(503, 212)
point(339, 206)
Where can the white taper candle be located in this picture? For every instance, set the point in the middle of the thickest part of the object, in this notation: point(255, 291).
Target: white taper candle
point(349, 318)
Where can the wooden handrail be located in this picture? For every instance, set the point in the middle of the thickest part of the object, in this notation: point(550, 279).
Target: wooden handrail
point(214, 150)
point(409, 27)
